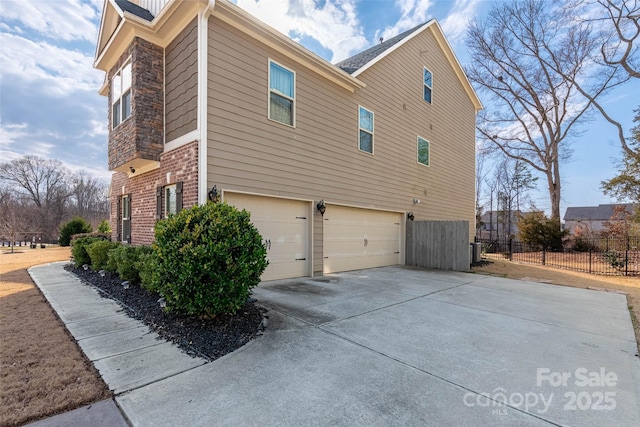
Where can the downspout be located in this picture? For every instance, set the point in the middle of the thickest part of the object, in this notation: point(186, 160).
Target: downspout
point(203, 51)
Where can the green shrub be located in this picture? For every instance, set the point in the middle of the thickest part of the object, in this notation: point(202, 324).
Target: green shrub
point(583, 245)
point(208, 258)
point(98, 253)
point(123, 260)
point(79, 249)
point(112, 263)
point(147, 266)
point(104, 227)
point(75, 226)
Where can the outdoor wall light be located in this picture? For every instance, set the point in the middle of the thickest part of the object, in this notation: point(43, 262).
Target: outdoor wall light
point(416, 201)
point(321, 207)
point(410, 216)
point(132, 169)
point(213, 194)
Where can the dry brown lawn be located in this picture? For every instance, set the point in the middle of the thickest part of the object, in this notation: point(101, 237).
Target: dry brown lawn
point(629, 285)
point(42, 370)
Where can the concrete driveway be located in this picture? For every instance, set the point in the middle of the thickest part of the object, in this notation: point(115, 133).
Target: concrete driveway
point(402, 346)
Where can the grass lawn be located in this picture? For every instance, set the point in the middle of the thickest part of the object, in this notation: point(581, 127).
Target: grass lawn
point(42, 370)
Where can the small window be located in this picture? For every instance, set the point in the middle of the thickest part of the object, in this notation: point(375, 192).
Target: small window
point(281, 94)
point(124, 224)
point(169, 200)
point(121, 95)
point(423, 151)
point(428, 85)
point(365, 124)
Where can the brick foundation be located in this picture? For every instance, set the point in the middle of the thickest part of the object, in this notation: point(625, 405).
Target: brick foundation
point(182, 163)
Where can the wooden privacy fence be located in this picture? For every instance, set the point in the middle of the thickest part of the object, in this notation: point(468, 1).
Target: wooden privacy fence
point(442, 245)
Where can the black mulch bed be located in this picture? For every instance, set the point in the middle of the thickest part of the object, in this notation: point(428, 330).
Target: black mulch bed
point(206, 338)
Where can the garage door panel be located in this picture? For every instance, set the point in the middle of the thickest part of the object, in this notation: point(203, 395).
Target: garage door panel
point(284, 227)
point(360, 238)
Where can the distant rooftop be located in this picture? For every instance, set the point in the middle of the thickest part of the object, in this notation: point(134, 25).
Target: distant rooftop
point(594, 213)
point(359, 60)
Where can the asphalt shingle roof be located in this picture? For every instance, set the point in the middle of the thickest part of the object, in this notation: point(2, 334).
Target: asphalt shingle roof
point(133, 8)
point(593, 213)
point(359, 60)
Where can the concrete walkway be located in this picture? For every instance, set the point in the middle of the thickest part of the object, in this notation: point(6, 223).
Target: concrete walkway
point(389, 346)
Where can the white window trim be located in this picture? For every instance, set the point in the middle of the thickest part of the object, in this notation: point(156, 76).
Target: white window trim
point(114, 100)
point(373, 145)
point(425, 85)
point(418, 151)
point(269, 90)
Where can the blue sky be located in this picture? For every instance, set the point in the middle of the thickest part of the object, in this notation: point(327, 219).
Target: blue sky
point(49, 105)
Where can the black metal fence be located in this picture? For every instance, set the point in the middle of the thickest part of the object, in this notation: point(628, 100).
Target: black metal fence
point(606, 255)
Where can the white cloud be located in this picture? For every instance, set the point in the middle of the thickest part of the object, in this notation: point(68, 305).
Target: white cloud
point(60, 70)
point(60, 19)
point(334, 25)
point(456, 23)
point(13, 137)
point(412, 14)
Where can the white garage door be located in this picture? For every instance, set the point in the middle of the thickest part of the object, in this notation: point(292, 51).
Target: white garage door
point(360, 238)
point(284, 226)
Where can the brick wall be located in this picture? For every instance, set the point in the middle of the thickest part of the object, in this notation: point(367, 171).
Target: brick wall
point(182, 164)
point(141, 134)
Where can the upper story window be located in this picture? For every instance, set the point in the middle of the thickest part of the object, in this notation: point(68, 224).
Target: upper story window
point(121, 94)
point(365, 125)
point(282, 86)
point(423, 151)
point(428, 85)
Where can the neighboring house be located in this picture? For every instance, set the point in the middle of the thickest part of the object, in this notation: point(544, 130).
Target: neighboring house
point(591, 219)
point(204, 98)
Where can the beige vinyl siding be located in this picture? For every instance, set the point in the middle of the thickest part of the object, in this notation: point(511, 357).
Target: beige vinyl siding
point(181, 83)
point(319, 158)
point(447, 188)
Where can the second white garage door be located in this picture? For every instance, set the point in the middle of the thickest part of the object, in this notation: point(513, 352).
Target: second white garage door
point(284, 226)
point(360, 238)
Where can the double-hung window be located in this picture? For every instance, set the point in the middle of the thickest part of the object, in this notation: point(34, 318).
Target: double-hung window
point(282, 87)
point(124, 218)
point(121, 94)
point(168, 200)
point(423, 151)
point(428, 85)
point(365, 125)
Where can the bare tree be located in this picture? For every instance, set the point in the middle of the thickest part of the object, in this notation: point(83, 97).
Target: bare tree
point(89, 197)
point(527, 57)
point(12, 217)
point(514, 181)
point(43, 184)
point(621, 44)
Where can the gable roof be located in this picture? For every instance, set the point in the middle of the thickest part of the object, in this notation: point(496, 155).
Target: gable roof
point(127, 6)
point(594, 213)
point(362, 61)
point(359, 60)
